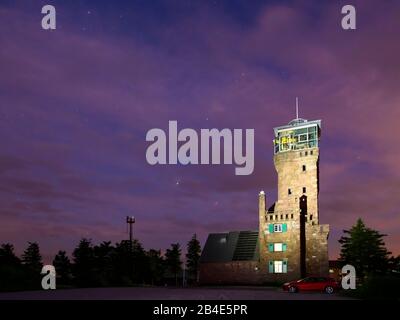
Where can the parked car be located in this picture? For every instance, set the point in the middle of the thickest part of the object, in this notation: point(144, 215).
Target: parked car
point(326, 284)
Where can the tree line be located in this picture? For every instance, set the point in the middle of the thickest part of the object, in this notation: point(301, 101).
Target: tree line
point(127, 263)
point(124, 264)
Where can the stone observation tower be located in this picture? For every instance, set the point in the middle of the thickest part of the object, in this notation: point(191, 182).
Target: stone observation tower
point(290, 243)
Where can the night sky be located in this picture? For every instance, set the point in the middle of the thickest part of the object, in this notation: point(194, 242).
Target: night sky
point(76, 104)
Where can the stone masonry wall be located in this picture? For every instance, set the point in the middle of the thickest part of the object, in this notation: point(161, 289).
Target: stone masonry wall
point(228, 273)
point(317, 259)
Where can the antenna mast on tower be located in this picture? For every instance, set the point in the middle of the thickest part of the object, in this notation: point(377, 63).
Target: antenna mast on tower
point(297, 107)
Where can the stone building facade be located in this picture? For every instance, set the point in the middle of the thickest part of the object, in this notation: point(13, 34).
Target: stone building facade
point(290, 242)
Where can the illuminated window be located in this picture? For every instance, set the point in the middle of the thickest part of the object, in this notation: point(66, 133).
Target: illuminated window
point(277, 227)
point(278, 266)
point(277, 247)
point(303, 137)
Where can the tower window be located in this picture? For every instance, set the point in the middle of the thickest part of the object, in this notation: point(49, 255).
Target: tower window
point(279, 247)
point(289, 191)
point(277, 227)
point(310, 216)
point(304, 167)
point(311, 152)
point(304, 189)
point(287, 216)
point(278, 266)
point(306, 153)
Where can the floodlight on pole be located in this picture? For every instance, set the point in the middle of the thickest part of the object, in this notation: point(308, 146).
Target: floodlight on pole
point(130, 221)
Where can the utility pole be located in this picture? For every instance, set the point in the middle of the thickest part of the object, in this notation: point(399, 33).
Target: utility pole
point(130, 221)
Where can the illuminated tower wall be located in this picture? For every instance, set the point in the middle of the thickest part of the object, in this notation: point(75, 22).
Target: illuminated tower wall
point(292, 242)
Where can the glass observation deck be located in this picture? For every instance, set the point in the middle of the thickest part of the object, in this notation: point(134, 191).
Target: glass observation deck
point(297, 135)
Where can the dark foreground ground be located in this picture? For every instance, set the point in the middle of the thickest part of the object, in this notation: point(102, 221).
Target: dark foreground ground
point(138, 293)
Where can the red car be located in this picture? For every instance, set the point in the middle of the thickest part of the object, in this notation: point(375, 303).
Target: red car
point(329, 285)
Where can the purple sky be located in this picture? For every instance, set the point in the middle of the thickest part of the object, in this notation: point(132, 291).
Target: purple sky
point(76, 104)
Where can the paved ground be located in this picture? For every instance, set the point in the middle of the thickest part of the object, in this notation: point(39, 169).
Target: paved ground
point(203, 293)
